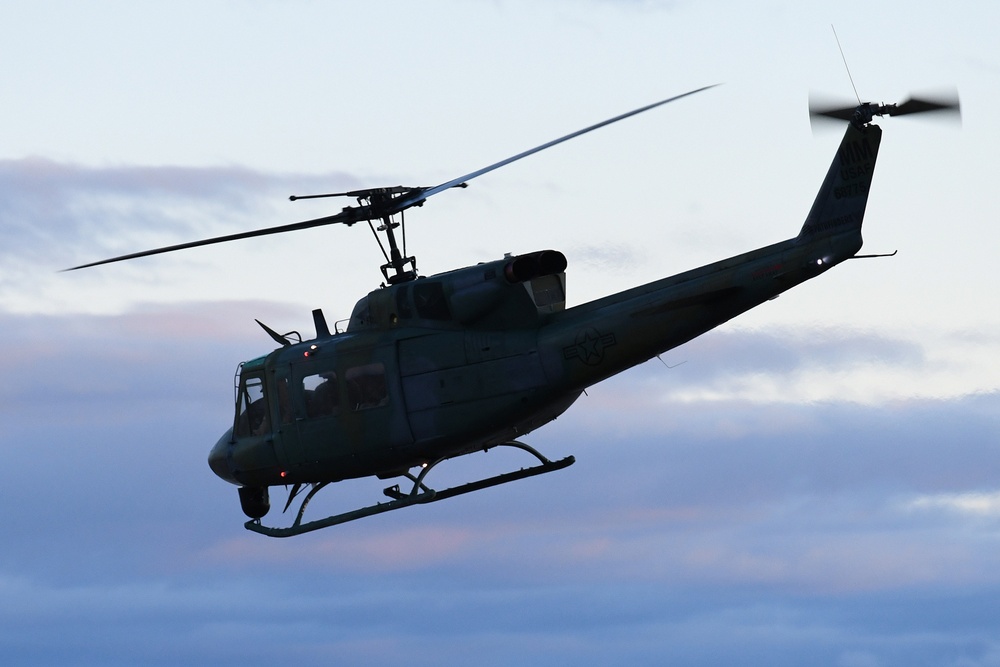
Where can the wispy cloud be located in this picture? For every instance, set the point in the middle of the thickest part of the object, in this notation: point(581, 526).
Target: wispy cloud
point(605, 258)
point(982, 504)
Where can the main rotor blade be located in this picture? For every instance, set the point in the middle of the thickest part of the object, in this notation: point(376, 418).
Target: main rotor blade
point(386, 206)
point(343, 216)
point(410, 200)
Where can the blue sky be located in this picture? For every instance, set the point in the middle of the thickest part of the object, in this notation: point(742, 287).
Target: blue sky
point(817, 482)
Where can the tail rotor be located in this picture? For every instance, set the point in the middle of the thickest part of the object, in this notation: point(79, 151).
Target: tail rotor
point(943, 105)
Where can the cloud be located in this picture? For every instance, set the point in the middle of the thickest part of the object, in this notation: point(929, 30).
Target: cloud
point(810, 364)
point(142, 353)
point(53, 209)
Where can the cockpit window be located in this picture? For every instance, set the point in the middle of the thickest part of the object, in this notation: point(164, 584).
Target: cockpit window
point(251, 408)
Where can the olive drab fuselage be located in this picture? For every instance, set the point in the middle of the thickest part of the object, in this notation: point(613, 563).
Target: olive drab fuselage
point(445, 365)
point(425, 369)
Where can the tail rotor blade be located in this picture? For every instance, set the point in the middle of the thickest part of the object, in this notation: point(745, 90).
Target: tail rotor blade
point(827, 111)
point(948, 103)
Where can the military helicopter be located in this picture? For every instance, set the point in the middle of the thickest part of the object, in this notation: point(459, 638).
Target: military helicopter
point(431, 368)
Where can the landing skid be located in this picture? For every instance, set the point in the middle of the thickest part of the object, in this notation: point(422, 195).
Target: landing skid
point(420, 494)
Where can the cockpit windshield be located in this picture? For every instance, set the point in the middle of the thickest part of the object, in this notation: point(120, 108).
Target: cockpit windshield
point(251, 408)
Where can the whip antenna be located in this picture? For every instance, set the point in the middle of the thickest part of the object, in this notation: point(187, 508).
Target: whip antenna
point(844, 58)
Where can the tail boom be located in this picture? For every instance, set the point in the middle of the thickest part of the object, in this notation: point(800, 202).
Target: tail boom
point(598, 339)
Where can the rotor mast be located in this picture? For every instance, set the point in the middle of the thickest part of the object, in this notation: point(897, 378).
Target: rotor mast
point(381, 204)
point(397, 261)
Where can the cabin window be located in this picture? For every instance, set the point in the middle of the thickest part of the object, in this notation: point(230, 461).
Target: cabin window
point(322, 398)
point(251, 408)
point(366, 387)
point(429, 299)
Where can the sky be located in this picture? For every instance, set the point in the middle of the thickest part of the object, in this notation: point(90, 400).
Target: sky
point(817, 481)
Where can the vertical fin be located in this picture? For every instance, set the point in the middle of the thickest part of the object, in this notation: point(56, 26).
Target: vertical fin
point(840, 203)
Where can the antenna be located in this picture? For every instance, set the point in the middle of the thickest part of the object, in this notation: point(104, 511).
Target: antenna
point(844, 58)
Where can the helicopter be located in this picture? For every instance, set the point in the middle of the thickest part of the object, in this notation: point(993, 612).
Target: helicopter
point(431, 368)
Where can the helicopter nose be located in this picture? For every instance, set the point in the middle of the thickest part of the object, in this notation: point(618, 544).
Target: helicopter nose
point(218, 458)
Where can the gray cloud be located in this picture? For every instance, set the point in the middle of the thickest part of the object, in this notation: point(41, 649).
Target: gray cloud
point(48, 208)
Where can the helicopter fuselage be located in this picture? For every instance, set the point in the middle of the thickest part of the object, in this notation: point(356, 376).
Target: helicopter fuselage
point(426, 388)
point(445, 365)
